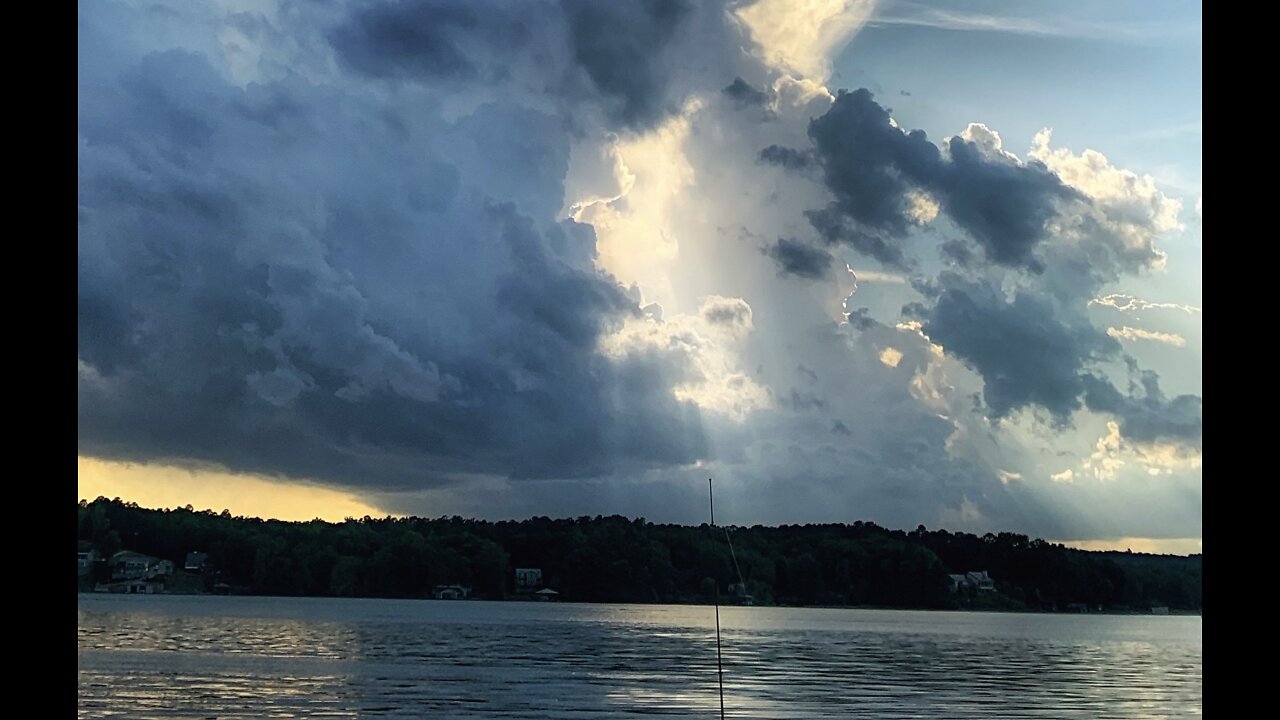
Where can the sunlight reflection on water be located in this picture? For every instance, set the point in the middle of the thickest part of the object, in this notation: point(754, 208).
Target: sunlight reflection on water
point(237, 657)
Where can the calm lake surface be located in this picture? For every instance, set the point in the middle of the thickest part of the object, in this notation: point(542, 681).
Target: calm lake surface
point(246, 657)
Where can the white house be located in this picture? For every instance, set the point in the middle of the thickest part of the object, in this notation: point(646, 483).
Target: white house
point(528, 579)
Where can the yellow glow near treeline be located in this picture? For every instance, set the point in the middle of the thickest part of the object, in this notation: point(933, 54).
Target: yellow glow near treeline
point(167, 486)
point(1159, 546)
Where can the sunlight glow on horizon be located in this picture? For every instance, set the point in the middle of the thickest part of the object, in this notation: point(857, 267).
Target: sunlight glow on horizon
point(168, 486)
point(1155, 546)
point(160, 486)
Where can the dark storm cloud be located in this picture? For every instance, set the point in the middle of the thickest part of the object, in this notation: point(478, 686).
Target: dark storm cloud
point(834, 227)
point(1145, 414)
point(872, 167)
point(287, 279)
point(425, 39)
point(1025, 349)
point(635, 61)
point(796, 258)
point(1029, 350)
point(744, 93)
point(620, 46)
point(861, 319)
point(1033, 346)
point(869, 164)
point(789, 158)
point(1002, 204)
point(330, 249)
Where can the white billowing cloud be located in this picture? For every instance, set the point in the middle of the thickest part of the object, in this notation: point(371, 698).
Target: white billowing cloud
point(800, 96)
point(801, 36)
point(714, 379)
point(1132, 334)
point(1130, 209)
point(1166, 458)
point(730, 315)
point(825, 409)
point(1113, 451)
point(891, 357)
point(1106, 459)
point(988, 142)
point(1066, 476)
point(921, 207)
point(597, 174)
point(631, 207)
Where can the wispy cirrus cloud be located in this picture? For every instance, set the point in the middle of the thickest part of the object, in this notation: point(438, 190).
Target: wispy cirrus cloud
point(1129, 303)
point(918, 15)
point(1132, 334)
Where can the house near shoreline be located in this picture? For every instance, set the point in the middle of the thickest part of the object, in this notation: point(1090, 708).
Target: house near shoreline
point(451, 592)
point(528, 579)
point(85, 561)
point(129, 565)
point(972, 581)
point(196, 562)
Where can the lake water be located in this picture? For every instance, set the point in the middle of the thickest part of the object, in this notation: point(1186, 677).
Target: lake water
point(245, 657)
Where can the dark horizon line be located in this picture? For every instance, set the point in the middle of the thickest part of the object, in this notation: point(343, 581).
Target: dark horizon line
point(349, 518)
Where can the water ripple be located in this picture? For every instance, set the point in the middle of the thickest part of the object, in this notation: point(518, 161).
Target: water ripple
point(220, 657)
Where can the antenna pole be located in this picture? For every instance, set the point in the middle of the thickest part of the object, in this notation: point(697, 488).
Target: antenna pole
point(719, 663)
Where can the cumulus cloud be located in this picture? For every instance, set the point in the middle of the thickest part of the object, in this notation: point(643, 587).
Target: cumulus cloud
point(710, 377)
point(388, 300)
point(620, 45)
point(1114, 451)
point(800, 38)
point(1124, 216)
point(1027, 350)
point(435, 251)
point(891, 357)
point(1054, 227)
point(886, 181)
point(733, 314)
point(1145, 413)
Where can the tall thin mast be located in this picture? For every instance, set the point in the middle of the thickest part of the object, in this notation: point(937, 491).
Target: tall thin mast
point(719, 663)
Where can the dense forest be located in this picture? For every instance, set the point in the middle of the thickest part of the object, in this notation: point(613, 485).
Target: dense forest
point(616, 559)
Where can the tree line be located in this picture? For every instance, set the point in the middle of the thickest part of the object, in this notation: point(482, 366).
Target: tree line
point(618, 559)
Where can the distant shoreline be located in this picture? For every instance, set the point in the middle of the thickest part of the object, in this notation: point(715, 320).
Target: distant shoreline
point(129, 549)
point(522, 601)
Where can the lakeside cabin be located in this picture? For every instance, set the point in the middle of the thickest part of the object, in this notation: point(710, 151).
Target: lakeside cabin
point(528, 579)
point(973, 581)
point(130, 565)
point(451, 592)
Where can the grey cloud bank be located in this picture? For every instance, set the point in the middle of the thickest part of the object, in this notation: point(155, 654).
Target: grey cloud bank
point(328, 241)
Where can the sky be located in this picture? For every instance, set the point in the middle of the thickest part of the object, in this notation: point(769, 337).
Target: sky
point(914, 263)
